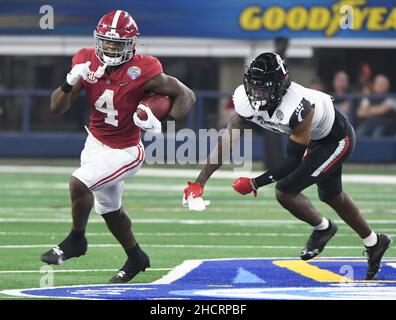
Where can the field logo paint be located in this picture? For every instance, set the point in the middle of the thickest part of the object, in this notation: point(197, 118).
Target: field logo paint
point(254, 278)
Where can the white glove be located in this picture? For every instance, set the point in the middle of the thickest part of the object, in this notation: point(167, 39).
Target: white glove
point(80, 70)
point(152, 124)
point(100, 72)
point(195, 204)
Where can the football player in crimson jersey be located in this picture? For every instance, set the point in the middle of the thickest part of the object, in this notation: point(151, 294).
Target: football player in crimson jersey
point(320, 140)
point(115, 79)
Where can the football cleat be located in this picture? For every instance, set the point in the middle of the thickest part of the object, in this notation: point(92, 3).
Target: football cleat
point(375, 254)
point(65, 250)
point(131, 268)
point(317, 241)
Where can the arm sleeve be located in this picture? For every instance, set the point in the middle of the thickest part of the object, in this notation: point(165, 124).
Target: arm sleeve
point(295, 153)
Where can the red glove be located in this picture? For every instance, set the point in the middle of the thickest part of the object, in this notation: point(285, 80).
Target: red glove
point(193, 188)
point(244, 186)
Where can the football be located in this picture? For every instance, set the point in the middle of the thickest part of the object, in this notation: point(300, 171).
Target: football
point(158, 104)
point(142, 115)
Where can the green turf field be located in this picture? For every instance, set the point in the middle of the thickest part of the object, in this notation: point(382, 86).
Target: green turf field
point(35, 215)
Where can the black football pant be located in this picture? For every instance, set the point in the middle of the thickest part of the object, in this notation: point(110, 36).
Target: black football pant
point(322, 165)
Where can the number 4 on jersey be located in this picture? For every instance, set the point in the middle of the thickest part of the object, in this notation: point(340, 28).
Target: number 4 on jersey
point(105, 104)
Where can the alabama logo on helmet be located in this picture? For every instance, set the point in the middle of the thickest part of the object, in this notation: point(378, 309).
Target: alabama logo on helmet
point(134, 72)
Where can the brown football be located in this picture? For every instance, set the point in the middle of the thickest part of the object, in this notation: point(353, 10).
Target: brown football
point(159, 105)
point(142, 115)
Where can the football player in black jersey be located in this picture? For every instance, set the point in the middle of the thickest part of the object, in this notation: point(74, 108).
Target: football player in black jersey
point(320, 140)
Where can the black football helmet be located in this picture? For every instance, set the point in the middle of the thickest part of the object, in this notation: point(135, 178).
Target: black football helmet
point(266, 81)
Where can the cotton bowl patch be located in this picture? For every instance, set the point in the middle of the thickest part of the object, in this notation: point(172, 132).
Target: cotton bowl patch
point(246, 279)
point(134, 72)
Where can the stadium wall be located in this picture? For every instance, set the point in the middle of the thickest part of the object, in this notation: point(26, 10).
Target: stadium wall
point(51, 144)
point(69, 145)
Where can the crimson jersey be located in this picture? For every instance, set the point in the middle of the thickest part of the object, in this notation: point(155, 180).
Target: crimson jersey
point(113, 99)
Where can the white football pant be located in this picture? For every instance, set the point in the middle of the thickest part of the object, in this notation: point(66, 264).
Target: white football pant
point(104, 169)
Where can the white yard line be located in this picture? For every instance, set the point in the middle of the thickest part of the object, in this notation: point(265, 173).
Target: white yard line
point(37, 209)
point(75, 270)
point(37, 188)
point(179, 271)
point(191, 246)
point(34, 186)
point(188, 173)
point(184, 234)
point(251, 222)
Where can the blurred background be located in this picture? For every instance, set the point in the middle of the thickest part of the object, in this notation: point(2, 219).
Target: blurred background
point(205, 44)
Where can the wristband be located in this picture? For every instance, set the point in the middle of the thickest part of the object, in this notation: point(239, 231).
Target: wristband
point(253, 184)
point(66, 88)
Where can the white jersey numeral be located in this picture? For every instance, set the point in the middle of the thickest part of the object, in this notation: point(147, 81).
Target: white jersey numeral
point(105, 104)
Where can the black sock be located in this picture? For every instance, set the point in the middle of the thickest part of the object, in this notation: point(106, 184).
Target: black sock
point(76, 235)
point(75, 244)
point(133, 253)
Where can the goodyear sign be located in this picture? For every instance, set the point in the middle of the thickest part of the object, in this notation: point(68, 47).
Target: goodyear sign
point(326, 17)
point(232, 19)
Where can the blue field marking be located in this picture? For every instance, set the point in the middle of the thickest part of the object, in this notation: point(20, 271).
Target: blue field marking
point(244, 276)
point(257, 278)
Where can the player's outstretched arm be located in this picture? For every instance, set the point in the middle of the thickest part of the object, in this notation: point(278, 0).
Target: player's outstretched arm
point(230, 138)
point(61, 100)
point(183, 98)
point(297, 145)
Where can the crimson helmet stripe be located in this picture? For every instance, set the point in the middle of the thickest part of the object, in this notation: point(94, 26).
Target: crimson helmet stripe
point(115, 19)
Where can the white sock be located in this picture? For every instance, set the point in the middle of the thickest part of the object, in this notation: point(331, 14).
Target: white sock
point(323, 225)
point(371, 240)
